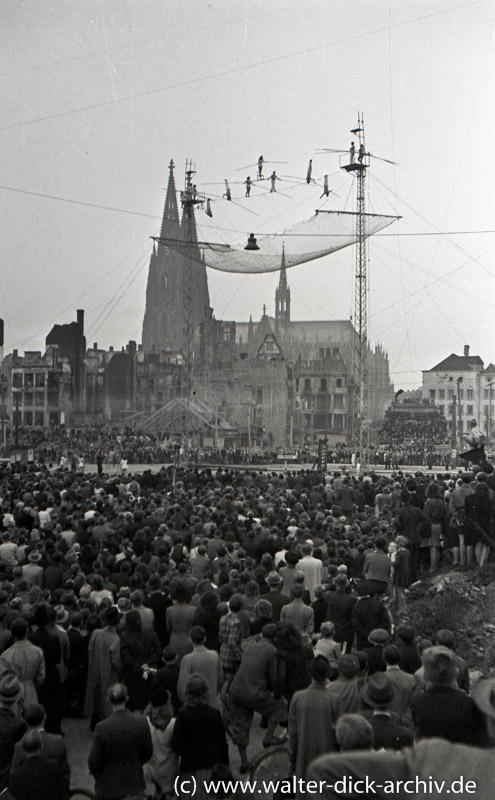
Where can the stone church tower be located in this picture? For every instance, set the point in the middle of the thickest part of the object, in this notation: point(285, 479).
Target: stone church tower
point(163, 325)
point(282, 299)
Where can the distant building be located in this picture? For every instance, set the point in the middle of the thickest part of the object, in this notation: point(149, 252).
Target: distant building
point(463, 389)
point(39, 389)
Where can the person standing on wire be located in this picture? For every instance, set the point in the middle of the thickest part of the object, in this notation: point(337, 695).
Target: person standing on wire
point(227, 194)
point(352, 152)
point(326, 190)
point(274, 178)
point(249, 183)
point(260, 168)
point(310, 171)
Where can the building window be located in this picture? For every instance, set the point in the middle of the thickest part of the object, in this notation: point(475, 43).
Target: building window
point(297, 384)
point(307, 384)
point(460, 410)
point(323, 385)
point(28, 379)
point(39, 419)
point(28, 399)
point(485, 394)
point(322, 352)
point(40, 380)
point(461, 394)
point(440, 408)
point(39, 398)
point(469, 394)
point(338, 402)
point(28, 418)
point(441, 394)
point(450, 410)
point(338, 383)
point(432, 394)
point(451, 394)
point(17, 381)
point(470, 410)
point(259, 395)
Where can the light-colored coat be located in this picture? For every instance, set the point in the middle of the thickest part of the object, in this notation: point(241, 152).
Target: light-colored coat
point(311, 727)
point(104, 669)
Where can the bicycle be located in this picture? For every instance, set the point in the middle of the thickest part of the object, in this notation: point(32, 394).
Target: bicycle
point(272, 765)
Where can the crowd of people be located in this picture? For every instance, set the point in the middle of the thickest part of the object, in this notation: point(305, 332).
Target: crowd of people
point(74, 447)
point(170, 608)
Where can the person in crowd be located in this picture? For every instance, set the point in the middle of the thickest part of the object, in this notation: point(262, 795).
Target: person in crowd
point(339, 612)
point(26, 660)
point(104, 666)
point(50, 692)
point(378, 695)
point(312, 719)
point(203, 662)
point(294, 659)
point(52, 747)
point(299, 614)
point(376, 568)
point(230, 636)
point(345, 690)
point(122, 745)
point(443, 710)
point(255, 688)
point(326, 644)
point(368, 614)
point(162, 769)
point(199, 735)
point(138, 649)
point(275, 596)
point(36, 776)
point(354, 732)
point(12, 726)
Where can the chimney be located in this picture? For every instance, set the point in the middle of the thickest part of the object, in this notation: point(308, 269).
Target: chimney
point(110, 349)
point(15, 353)
point(80, 319)
point(95, 345)
point(466, 350)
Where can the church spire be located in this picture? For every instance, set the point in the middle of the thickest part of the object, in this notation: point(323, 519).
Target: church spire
point(170, 219)
point(283, 271)
point(282, 298)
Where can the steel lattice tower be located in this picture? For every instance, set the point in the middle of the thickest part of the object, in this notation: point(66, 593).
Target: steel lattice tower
point(358, 418)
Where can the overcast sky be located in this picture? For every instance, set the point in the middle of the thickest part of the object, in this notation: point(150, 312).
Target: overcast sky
point(98, 95)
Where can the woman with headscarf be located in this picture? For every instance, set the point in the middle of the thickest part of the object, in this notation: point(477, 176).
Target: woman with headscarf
point(138, 648)
point(199, 736)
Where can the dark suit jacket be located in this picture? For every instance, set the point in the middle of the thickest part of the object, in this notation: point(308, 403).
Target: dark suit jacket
point(52, 749)
point(122, 744)
point(386, 733)
point(37, 779)
point(12, 729)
